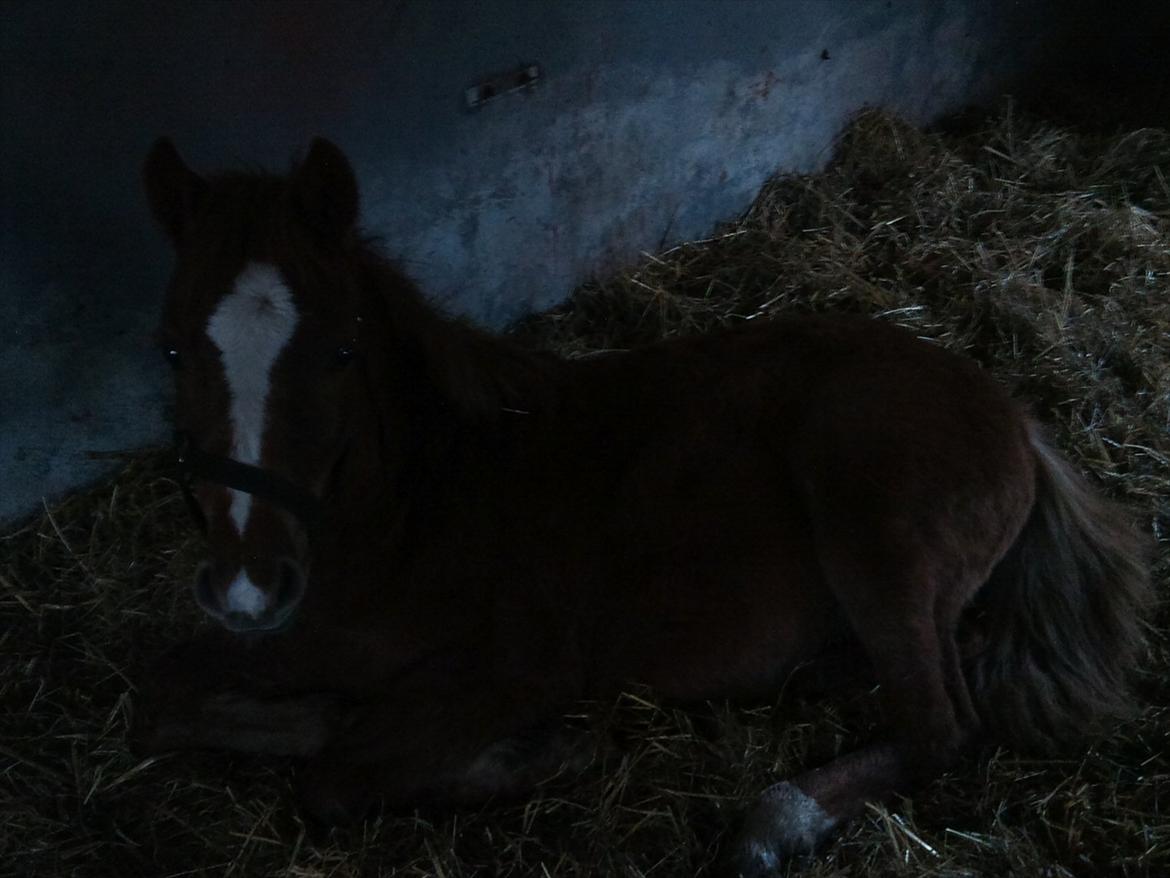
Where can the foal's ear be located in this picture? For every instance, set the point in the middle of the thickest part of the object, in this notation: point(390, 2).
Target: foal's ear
point(325, 190)
point(173, 189)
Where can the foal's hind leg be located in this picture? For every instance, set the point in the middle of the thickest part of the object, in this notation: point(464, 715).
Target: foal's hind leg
point(894, 617)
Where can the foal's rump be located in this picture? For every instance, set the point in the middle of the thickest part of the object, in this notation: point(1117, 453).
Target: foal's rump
point(912, 460)
point(934, 501)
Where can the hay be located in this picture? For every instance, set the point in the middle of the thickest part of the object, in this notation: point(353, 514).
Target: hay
point(1042, 252)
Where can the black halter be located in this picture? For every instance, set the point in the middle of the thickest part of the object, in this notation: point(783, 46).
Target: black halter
point(194, 464)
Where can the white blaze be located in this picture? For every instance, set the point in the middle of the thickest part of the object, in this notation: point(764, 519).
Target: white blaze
point(250, 328)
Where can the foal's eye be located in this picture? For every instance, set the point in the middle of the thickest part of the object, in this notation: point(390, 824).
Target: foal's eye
point(343, 355)
point(171, 355)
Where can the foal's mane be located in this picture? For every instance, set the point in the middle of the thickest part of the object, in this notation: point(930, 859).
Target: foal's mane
point(479, 374)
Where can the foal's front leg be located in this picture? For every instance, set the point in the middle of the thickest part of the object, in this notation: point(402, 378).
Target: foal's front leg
point(245, 722)
point(438, 736)
point(282, 694)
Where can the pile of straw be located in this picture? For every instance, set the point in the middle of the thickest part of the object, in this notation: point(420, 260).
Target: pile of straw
point(1042, 252)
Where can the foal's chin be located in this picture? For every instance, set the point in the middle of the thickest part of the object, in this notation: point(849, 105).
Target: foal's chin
point(248, 627)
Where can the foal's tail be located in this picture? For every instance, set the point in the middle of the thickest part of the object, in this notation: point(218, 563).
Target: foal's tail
point(1063, 615)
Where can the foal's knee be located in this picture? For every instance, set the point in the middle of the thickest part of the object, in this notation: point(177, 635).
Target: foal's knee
point(513, 767)
point(929, 744)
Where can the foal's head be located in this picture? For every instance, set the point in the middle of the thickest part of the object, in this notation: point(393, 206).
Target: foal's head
point(261, 327)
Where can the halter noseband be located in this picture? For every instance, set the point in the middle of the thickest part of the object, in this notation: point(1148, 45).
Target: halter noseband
point(194, 464)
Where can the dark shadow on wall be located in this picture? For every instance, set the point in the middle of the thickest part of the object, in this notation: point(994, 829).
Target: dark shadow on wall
point(1110, 69)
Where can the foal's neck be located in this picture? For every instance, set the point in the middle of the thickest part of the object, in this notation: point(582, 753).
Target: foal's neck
point(477, 375)
point(440, 392)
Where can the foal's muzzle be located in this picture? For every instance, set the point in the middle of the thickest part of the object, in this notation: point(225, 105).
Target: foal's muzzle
point(260, 596)
point(253, 593)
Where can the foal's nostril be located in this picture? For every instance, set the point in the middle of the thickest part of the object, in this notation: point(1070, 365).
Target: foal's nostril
point(204, 595)
point(290, 583)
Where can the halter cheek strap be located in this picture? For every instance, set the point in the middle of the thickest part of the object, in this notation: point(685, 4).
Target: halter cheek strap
point(195, 465)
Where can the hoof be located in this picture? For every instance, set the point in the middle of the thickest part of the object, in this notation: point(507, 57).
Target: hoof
point(786, 822)
point(511, 768)
point(332, 796)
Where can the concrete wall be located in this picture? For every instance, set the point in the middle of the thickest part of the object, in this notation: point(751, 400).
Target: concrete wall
point(653, 120)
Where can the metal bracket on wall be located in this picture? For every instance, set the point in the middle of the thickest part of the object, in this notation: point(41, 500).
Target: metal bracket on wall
point(520, 79)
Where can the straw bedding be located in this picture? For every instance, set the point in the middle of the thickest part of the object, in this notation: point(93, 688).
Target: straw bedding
point(1043, 252)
